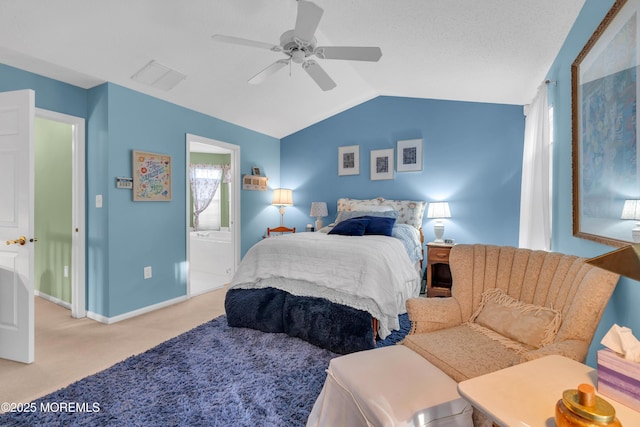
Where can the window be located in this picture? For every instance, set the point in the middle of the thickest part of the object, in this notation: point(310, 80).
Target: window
point(210, 217)
point(206, 179)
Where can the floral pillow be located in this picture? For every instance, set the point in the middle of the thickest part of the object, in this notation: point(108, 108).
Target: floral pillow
point(409, 211)
point(348, 204)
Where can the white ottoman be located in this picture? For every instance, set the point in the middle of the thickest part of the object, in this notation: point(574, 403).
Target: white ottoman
point(388, 386)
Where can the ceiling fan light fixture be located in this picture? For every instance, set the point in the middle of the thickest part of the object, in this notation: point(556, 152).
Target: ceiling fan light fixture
point(298, 56)
point(159, 76)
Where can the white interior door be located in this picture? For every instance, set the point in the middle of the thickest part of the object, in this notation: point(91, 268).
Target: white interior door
point(17, 111)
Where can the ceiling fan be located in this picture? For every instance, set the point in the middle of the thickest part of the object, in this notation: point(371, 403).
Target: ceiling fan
point(299, 44)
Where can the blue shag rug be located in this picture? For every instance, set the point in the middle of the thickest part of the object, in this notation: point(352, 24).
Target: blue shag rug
point(213, 375)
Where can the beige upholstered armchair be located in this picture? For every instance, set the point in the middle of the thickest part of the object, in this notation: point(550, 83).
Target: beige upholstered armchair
point(508, 306)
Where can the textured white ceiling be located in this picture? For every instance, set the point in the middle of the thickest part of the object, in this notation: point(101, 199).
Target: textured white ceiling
point(495, 51)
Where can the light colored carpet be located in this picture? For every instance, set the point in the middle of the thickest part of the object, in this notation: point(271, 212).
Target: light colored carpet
point(68, 349)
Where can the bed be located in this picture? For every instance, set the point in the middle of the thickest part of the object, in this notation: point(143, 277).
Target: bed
point(334, 286)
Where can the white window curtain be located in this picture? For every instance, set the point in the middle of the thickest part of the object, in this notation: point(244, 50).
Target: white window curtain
point(535, 199)
point(205, 180)
point(211, 217)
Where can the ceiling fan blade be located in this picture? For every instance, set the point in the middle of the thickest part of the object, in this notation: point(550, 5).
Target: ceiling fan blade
point(320, 76)
point(245, 42)
point(269, 71)
point(307, 21)
point(352, 53)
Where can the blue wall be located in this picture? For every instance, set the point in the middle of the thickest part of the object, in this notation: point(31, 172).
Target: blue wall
point(153, 233)
point(472, 157)
point(123, 236)
point(50, 94)
point(622, 308)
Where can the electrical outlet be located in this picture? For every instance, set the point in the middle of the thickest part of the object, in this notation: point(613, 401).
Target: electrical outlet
point(147, 272)
point(66, 271)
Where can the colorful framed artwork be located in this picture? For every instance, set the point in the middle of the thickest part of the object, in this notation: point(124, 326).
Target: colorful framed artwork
point(409, 155)
point(151, 177)
point(349, 160)
point(381, 164)
point(604, 92)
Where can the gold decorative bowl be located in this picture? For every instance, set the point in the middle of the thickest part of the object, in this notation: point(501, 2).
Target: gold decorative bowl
point(582, 408)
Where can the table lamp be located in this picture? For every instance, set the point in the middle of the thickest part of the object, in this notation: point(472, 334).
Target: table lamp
point(318, 209)
point(631, 210)
point(282, 197)
point(438, 210)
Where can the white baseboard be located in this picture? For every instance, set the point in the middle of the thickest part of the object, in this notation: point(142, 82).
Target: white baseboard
point(52, 299)
point(109, 320)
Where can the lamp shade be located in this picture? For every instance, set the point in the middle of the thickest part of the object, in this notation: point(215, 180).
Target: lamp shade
point(631, 210)
point(624, 261)
point(319, 209)
point(282, 197)
point(438, 210)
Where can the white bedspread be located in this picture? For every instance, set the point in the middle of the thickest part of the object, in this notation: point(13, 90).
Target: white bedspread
point(370, 273)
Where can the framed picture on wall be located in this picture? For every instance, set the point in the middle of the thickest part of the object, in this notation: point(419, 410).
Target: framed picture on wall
point(255, 170)
point(381, 164)
point(151, 177)
point(604, 94)
point(409, 155)
point(349, 160)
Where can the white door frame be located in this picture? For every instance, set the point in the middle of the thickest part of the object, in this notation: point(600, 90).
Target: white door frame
point(234, 220)
point(78, 251)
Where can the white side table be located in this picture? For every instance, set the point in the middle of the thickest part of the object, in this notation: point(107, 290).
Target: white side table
point(526, 394)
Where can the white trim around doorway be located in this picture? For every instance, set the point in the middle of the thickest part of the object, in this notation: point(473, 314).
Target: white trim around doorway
point(78, 255)
point(235, 191)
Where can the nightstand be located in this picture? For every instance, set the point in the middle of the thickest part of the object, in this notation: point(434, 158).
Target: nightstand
point(438, 274)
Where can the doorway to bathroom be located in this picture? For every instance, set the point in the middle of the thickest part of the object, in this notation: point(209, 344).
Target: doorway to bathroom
point(213, 213)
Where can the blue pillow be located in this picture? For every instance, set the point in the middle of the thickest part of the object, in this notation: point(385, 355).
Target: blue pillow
point(344, 215)
point(351, 227)
point(380, 226)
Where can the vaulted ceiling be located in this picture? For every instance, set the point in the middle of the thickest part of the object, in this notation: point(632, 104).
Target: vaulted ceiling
point(496, 51)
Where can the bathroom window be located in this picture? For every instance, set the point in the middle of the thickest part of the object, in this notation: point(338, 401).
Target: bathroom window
point(210, 217)
point(205, 191)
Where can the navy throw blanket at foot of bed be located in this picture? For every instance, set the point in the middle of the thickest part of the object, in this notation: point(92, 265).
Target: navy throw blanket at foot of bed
point(335, 327)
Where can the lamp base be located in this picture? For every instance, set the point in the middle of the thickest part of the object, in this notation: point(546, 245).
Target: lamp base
point(438, 230)
point(319, 224)
point(282, 216)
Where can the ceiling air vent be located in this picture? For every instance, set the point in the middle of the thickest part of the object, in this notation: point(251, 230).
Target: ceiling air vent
point(159, 76)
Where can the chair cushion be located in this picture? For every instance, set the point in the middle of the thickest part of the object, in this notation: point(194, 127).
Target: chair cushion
point(461, 352)
point(526, 323)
